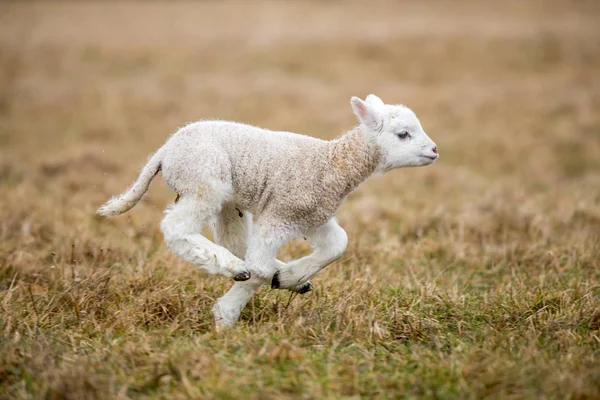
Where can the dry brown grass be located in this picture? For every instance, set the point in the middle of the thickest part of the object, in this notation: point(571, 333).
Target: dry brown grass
point(476, 277)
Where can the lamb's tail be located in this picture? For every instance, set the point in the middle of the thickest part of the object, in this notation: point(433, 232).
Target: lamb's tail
point(127, 200)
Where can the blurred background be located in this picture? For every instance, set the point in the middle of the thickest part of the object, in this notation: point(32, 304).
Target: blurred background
point(509, 91)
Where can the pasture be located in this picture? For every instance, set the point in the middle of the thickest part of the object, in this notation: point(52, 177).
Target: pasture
point(475, 277)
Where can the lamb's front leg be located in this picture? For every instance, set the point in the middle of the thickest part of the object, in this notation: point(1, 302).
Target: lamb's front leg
point(232, 227)
point(300, 289)
point(260, 259)
point(228, 308)
point(329, 242)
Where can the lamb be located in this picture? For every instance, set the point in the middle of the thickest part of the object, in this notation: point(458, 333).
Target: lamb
point(260, 189)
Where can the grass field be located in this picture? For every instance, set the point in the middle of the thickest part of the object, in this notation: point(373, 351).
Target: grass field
point(476, 277)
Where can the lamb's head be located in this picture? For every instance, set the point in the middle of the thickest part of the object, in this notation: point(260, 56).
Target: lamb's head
point(397, 133)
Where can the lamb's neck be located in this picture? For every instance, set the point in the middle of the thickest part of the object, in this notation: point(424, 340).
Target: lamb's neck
point(351, 160)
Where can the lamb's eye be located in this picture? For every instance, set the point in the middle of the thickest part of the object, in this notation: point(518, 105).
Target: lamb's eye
point(403, 135)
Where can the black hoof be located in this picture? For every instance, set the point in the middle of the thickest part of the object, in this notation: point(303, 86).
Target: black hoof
point(275, 281)
point(305, 288)
point(241, 276)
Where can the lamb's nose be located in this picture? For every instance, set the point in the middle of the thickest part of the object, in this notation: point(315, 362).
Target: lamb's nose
point(435, 150)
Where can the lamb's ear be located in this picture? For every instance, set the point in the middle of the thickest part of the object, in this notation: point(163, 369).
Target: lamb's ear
point(374, 100)
point(366, 113)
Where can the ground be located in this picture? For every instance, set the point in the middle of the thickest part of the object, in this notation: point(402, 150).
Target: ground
point(475, 277)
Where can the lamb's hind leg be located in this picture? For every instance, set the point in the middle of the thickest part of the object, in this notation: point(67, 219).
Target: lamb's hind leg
point(329, 242)
point(232, 229)
point(182, 227)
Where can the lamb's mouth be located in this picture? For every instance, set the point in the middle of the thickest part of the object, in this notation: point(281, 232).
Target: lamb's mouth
point(430, 157)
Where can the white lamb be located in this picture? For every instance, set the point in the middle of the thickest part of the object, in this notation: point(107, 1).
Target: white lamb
point(261, 189)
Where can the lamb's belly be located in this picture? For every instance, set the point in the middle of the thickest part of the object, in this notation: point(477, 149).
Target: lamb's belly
point(297, 211)
point(257, 193)
point(287, 201)
point(247, 197)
